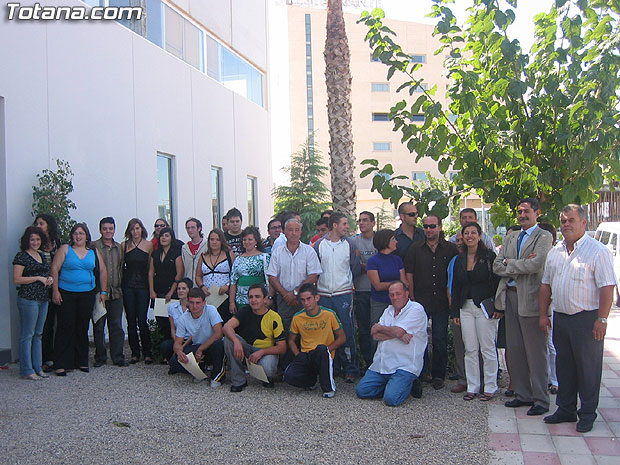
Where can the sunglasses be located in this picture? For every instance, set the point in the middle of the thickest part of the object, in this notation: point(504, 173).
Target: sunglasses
point(432, 226)
point(160, 225)
point(412, 214)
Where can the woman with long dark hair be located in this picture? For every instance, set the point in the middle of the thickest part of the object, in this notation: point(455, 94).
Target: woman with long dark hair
point(31, 272)
point(73, 271)
point(165, 271)
point(49, 226)
point(474, 282)
point(215, 267)
point(135, 284)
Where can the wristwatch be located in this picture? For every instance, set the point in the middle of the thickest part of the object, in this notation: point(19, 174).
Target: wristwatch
point(295, 293)
point(603, 320)
point(505, 262)
point(270, 297)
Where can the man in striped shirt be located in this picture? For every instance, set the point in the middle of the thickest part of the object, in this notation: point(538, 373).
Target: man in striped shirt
point(579, 278)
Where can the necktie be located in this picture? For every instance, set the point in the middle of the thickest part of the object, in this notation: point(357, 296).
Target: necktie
point(519, 242)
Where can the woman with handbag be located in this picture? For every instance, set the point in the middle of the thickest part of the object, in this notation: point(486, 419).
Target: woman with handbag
point(76, 268)
point(473, 290)
point(249, 268)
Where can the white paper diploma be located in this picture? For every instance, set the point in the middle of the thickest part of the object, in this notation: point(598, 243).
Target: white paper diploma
point(257, 371)
point(161, 307)
point(192, 366)
point(98, 309)
point(215, 298)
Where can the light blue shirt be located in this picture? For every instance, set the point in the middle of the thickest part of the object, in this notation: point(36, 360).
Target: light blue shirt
point(201, 329)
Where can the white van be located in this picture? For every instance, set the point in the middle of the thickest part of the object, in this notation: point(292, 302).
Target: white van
point(609, 234)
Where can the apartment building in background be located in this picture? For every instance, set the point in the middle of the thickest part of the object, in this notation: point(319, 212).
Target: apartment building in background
point(372, 94)
point(165, 116)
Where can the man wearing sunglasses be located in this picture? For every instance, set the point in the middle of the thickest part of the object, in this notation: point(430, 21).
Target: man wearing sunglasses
point(407, 233)
point(426, 264)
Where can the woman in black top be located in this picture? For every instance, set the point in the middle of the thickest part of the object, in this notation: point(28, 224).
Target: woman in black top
point(165, 270)
point(474, 281)
point(31, 272)
point(49, 226)
point(135, 284)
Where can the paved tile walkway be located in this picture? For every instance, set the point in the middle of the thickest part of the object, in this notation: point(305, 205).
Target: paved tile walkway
point(516, 439)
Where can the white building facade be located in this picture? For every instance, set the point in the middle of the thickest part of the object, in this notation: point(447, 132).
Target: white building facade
point(175, 123)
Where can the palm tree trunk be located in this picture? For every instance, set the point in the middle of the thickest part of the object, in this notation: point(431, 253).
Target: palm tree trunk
point(338, 80)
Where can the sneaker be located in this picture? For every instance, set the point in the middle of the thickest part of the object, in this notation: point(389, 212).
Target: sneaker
point(42, 375)
point(215, 384)
point(329, 395)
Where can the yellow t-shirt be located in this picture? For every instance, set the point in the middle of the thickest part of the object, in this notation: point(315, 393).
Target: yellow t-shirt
point(317, 329)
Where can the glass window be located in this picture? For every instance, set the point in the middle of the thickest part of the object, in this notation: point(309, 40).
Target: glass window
point(165, 188)
point(252, 220)
point(415, 58)
point(183, 39)
point(374, 60)
point(419, 176)
point(381, 146)
point(233, 72)
point(419, 118)
point(216, 196)
point(379, 87)
point(154, 22)
point(421, 87)
point(380, 117)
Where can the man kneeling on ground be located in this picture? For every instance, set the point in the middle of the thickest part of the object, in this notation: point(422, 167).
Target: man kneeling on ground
point(259, 336)
point(399, 358)
point(204, 324)
point(316, 327)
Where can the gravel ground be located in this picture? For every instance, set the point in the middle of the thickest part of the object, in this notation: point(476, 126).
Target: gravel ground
point(140, 415)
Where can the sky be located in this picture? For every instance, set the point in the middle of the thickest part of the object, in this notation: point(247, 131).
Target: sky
point(416, 10)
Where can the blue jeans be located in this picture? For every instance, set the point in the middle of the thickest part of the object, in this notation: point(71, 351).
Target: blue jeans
point(394, 387)
point(136, 302)
point(346, 355)
point(32, 314)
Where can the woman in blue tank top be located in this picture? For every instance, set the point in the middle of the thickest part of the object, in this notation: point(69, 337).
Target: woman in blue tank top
point(73, 271)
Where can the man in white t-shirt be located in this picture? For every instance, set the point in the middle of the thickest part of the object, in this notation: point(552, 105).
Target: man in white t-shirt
point(399, 358)
point(204, 324)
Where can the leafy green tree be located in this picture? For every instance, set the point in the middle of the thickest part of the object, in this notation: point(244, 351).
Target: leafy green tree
point(543, 124)
point(307, 194)
point(52, 196)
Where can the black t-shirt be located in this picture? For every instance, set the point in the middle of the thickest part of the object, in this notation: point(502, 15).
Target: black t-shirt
point(235, 243)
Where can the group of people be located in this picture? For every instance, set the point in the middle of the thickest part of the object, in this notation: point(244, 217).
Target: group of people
point(292, 307)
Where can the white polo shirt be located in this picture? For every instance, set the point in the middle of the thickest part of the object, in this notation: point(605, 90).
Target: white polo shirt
point(394, 354)
point(575, 279)
point(292, 269)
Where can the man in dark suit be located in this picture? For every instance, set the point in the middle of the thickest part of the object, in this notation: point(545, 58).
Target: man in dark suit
point(520, 263)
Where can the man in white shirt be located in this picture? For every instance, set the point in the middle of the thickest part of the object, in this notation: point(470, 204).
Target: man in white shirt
point(579, 278)
point(291, 266)
point(399, 358)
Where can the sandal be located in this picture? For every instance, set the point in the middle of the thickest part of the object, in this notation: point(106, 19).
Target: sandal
point(553, 390)
point(484, 397)
point(134, 360)
point(148, 360)
point(469, 396)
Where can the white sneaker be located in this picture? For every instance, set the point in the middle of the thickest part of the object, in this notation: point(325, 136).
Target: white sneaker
point(215, 384)
point(329, 395)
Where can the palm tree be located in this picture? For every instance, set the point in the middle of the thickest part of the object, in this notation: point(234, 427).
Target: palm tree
point(338, 80)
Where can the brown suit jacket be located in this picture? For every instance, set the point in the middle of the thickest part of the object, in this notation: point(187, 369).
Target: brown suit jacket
point(527, 272)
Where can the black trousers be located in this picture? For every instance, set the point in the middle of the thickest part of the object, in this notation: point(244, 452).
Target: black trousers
point(579, 363)
point(304, 368)
point(214, 355)
point(71, 342)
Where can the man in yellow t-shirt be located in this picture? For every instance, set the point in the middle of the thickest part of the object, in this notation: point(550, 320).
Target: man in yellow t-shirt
point(320, 334)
